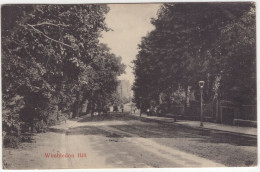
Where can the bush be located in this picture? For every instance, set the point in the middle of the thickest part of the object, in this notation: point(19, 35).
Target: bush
point(26, 138)
point(51, 122)
point(40, 126)
point(11, 141)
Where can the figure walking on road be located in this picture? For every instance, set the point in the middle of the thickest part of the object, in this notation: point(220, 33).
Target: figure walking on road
point(122, 107)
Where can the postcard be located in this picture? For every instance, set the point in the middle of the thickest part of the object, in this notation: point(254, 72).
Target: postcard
point(129, 85)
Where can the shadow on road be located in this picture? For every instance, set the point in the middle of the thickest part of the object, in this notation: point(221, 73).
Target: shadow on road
point(56, 130)
point(165, 130)
point(109, 117)
point(149, 128)
point(88, 130)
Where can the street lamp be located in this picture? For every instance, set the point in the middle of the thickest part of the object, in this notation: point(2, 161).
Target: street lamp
point(201, 85)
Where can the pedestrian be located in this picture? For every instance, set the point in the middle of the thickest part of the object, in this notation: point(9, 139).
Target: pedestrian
point(122, 107)
point(134, 109)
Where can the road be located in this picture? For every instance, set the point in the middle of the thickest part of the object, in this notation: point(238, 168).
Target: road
point(125, 141)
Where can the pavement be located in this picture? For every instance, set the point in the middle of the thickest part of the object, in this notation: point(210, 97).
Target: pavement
point(249, 131)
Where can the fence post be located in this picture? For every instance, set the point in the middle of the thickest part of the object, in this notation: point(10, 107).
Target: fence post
point(221, 114)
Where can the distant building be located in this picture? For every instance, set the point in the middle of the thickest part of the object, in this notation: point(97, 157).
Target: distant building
point(124, 89)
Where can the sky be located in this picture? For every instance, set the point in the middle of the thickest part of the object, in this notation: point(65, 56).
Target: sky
point(130, 22)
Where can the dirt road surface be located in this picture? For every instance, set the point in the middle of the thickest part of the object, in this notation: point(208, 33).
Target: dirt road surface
point(125, 141)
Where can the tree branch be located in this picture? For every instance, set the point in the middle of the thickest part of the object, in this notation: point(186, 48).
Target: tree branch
point(49, 37)
point(52, 24)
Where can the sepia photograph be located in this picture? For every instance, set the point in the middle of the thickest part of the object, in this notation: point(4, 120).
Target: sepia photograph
point(129, 85)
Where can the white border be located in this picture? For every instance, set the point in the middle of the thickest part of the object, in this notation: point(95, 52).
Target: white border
point(226, 169)
point(109, 1)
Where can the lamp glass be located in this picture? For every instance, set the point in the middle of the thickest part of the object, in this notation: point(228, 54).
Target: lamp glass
point(201, 84)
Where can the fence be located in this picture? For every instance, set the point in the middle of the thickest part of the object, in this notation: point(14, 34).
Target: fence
point(248, 112)
point(177, 109)
point(223, 112)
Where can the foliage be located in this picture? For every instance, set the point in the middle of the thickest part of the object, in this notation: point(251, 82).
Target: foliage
point(52, 59)
point(11, 141)
point(198, 41)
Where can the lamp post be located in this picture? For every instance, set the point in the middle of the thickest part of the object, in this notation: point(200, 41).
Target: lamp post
point(201, 85)
point(140, 99)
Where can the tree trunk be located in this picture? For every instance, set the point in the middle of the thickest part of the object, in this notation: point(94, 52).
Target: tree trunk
point(77, 109)
point(91, 108)
point(32, 126)
point(77, 106)
point(84, 106)
point(186, 98)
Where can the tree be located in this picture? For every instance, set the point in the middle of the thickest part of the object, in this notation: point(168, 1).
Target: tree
point(238, 62)
point(188, 45)
point(49, 54)
point(100, 80)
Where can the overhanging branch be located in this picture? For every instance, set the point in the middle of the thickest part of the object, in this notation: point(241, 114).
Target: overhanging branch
point(38, 31)
point(51, 24)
